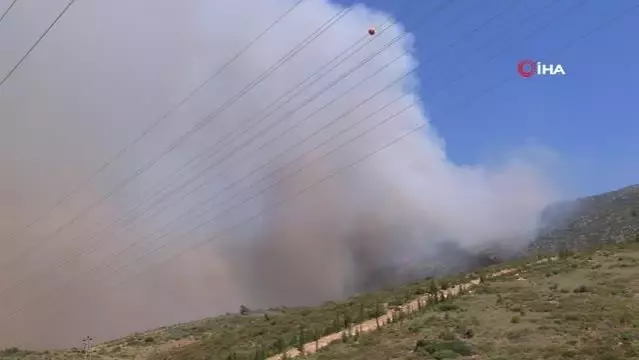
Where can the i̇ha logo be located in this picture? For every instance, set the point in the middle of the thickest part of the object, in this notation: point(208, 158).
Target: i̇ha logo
point(528, 68)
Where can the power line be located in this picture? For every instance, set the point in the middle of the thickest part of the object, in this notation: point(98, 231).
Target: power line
point(201, 124)
point(183, 167)
point(6, 11)
point(568, 45)
point(252, 172)
point(306, 138)
point(156, 123)
point(286, 150)
point(479, 27)
point(498, 84)
point(42, 36)
point(308, 100)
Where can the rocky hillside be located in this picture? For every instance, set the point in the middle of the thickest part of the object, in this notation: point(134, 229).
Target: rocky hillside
point(607, 218)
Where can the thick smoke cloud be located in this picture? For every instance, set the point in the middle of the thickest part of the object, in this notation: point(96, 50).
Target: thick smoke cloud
point(110, 68)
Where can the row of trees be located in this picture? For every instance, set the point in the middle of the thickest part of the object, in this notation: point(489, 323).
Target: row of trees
point(346, 323)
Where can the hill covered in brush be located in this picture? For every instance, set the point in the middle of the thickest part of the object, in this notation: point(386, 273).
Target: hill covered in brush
point(580, 306)
point(606, 218)
point(576, 306)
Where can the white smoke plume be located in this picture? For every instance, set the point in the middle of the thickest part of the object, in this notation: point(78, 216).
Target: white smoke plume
point(109, 69)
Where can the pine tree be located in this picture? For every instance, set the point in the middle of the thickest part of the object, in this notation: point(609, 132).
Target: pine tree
point(280, 345)
point(300, 342)
point(378, 313)
point(433, 289)
point(347, 321)
point(337, 323)
point(316, 337)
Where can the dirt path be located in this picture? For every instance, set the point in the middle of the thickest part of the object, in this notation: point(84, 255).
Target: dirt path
point(370, 325)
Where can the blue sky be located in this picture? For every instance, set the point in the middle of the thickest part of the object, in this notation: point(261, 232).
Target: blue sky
point(587, 118)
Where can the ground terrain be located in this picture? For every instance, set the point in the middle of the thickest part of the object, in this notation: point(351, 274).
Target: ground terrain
point(583, 303)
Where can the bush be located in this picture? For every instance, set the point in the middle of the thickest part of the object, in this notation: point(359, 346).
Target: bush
point(447, 336)
point(444, 285)
point(447, 307)
point(244, 310)
point(433, 347)
point(581, 289)
point(515, 319)
point(445, 354)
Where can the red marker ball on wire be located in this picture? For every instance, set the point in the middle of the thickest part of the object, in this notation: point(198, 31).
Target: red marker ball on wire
point(371, 31)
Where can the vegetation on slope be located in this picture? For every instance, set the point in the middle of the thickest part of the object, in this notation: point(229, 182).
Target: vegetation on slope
point(581, 307)
point(591, 221)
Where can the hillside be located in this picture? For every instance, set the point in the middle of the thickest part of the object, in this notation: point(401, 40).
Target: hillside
point(574, 225)
point(590, 221)
point(578, 306)
point(575, 307)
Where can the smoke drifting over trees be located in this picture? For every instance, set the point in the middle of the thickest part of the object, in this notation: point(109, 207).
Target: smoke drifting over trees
point(110, 68)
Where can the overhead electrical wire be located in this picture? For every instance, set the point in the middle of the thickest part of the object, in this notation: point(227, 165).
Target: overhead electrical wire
point(155, 123)
point(337, 98)
point(36, 43)
point(469, 71)
point(496, 85)
point(198, 158)
point(563, 48)
point(307, 101)
point(6, 11)
point(33, 247)
point(182, 138)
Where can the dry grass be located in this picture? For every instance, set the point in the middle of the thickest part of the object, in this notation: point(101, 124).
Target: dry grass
point(578, 307)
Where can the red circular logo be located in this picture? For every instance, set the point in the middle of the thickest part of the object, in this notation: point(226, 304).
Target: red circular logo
point(527, 68)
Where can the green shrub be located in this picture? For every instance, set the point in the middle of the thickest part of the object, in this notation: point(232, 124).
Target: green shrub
point(432, 347)
point(447, 307)
point(445, 354)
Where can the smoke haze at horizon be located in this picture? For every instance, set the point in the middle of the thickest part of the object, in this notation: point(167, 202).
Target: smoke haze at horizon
point(93, 85)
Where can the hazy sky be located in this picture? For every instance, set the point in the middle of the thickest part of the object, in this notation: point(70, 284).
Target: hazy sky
point(467, 167)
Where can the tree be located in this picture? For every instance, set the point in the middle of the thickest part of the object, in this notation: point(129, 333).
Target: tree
point(279, 345)
point(244, 310)
point(337, 322)
point(433, 289)
point(301, 341)
point(444, 285)
point(259, 354)
point(347, 321)
point(316, 337)
point(378, 313)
